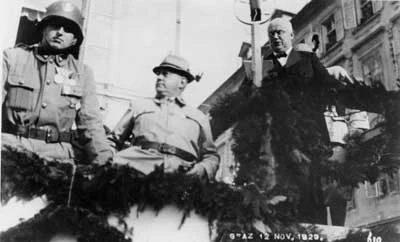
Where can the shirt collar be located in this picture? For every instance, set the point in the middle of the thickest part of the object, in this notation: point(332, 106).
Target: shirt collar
point(60, 59)
point(287, 52)
point(178, 100)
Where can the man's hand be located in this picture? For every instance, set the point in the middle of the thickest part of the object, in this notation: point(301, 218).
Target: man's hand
point(198, 171)
point(340, 74)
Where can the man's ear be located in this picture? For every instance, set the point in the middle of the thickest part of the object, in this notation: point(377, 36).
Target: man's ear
point(74, 41)
point(183, 83)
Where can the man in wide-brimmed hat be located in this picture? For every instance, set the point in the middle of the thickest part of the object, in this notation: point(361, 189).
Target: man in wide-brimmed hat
point(46, 90)
point(164, 130)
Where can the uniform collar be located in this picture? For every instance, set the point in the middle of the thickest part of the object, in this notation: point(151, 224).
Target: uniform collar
point(178, 100)
point(60, 59)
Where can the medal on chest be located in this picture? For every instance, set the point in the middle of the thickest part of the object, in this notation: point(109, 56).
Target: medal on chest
point(64, 76)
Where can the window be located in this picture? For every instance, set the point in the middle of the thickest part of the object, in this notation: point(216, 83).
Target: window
point(332, 30)
point(386, 185)
point(389, 184)
point(329, 32)
point(365, 10)
point(372, 70)
point(359, 11)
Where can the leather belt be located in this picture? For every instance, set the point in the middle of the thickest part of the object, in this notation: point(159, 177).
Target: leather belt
point(49, 134)
point(166, 149)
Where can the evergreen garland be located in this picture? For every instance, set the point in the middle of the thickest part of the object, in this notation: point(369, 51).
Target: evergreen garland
point(100, 191)
point(82, 223)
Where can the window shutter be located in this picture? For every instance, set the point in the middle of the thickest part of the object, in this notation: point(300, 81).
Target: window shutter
point(349, 14)
point(376, 5)
point(324, 37)
point(339, 25)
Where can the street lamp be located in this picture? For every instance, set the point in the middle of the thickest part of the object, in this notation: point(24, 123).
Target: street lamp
point(257, 18)
point(178, 28)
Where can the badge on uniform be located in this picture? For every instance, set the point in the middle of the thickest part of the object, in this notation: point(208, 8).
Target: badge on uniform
point(64, 76)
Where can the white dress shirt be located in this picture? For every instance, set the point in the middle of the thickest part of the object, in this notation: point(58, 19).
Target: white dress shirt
point(283, 60)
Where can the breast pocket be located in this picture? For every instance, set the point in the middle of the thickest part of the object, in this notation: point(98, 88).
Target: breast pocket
point(73, 94)
point(22, 92)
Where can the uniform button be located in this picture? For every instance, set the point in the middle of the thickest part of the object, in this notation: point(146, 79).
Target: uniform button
point(72, 105)
point(48, 82)
point(44, 105)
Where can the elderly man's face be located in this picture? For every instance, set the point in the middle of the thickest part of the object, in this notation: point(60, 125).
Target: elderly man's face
point(170, 84)
point(58, 37)
point(280, 36)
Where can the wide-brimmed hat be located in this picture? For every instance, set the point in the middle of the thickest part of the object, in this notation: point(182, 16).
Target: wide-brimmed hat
point(64, 12)
point(175, 64)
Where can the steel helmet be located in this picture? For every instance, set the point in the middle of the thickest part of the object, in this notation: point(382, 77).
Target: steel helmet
point(66, 13)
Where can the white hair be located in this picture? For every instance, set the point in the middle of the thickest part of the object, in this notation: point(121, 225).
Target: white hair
point(282, 22)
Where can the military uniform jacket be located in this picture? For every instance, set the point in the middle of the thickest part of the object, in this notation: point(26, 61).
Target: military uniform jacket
point(170, 122)
point(52, 90)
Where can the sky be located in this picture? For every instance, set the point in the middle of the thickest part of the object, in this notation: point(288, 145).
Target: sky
point(211, 38)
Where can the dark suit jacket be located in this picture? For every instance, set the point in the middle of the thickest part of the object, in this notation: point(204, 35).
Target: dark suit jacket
point(307, 82)
point(305, 86)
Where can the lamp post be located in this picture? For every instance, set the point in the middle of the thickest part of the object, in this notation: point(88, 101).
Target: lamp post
point(178, 28)
point(256, 20)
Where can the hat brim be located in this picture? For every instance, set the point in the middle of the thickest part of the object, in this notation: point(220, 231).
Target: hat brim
point(56, 19)
point(181, 72)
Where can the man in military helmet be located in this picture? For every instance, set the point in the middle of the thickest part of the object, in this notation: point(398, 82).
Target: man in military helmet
point(46, 90)
point(164, 130)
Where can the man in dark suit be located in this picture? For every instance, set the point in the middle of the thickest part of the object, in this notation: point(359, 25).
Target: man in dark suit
point(300, 71)
point(300, 84)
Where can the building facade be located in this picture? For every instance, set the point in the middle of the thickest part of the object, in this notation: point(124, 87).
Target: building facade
point(364, 37)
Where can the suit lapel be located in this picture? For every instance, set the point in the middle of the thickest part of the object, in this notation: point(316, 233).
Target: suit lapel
point(293, 58)
point(276, 64)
